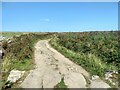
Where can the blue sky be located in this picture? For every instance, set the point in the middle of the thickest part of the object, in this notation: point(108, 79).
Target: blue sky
point(59, 16)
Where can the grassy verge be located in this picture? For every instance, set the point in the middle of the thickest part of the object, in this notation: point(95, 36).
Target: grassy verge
point(19, 53)
point(90, 62)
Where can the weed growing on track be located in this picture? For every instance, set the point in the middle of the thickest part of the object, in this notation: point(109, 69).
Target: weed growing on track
point(61, 85)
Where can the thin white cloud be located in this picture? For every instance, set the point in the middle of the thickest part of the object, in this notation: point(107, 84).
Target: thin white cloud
point(47, 20)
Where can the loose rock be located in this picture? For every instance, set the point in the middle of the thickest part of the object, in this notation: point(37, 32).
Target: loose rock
point(94, 77)
point(15, 75)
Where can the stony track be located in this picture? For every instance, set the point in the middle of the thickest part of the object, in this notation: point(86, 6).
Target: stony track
point(52, 66)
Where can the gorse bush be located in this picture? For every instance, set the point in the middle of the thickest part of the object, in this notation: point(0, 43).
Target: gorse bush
point(89, 62)
point(91, 50)
point(20, 49)
point(22, 46)
point(19, 53)
point(102, 44)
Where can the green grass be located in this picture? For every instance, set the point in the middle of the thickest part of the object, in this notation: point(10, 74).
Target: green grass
point(90, 62)
point(102, 44)
point(20, 53)
point(61, 85)
point(23, 65)
point(10, 34)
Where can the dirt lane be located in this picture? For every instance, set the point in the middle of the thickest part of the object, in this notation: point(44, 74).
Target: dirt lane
point(51, 67)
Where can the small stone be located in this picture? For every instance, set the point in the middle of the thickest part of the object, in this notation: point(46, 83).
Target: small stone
point(106, 78)
point(113, 83)
point(94, 77)
point(9, 41)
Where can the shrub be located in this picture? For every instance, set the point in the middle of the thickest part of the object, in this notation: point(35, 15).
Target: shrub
point(20, 52)
point(102, 44)
point(88, 58)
